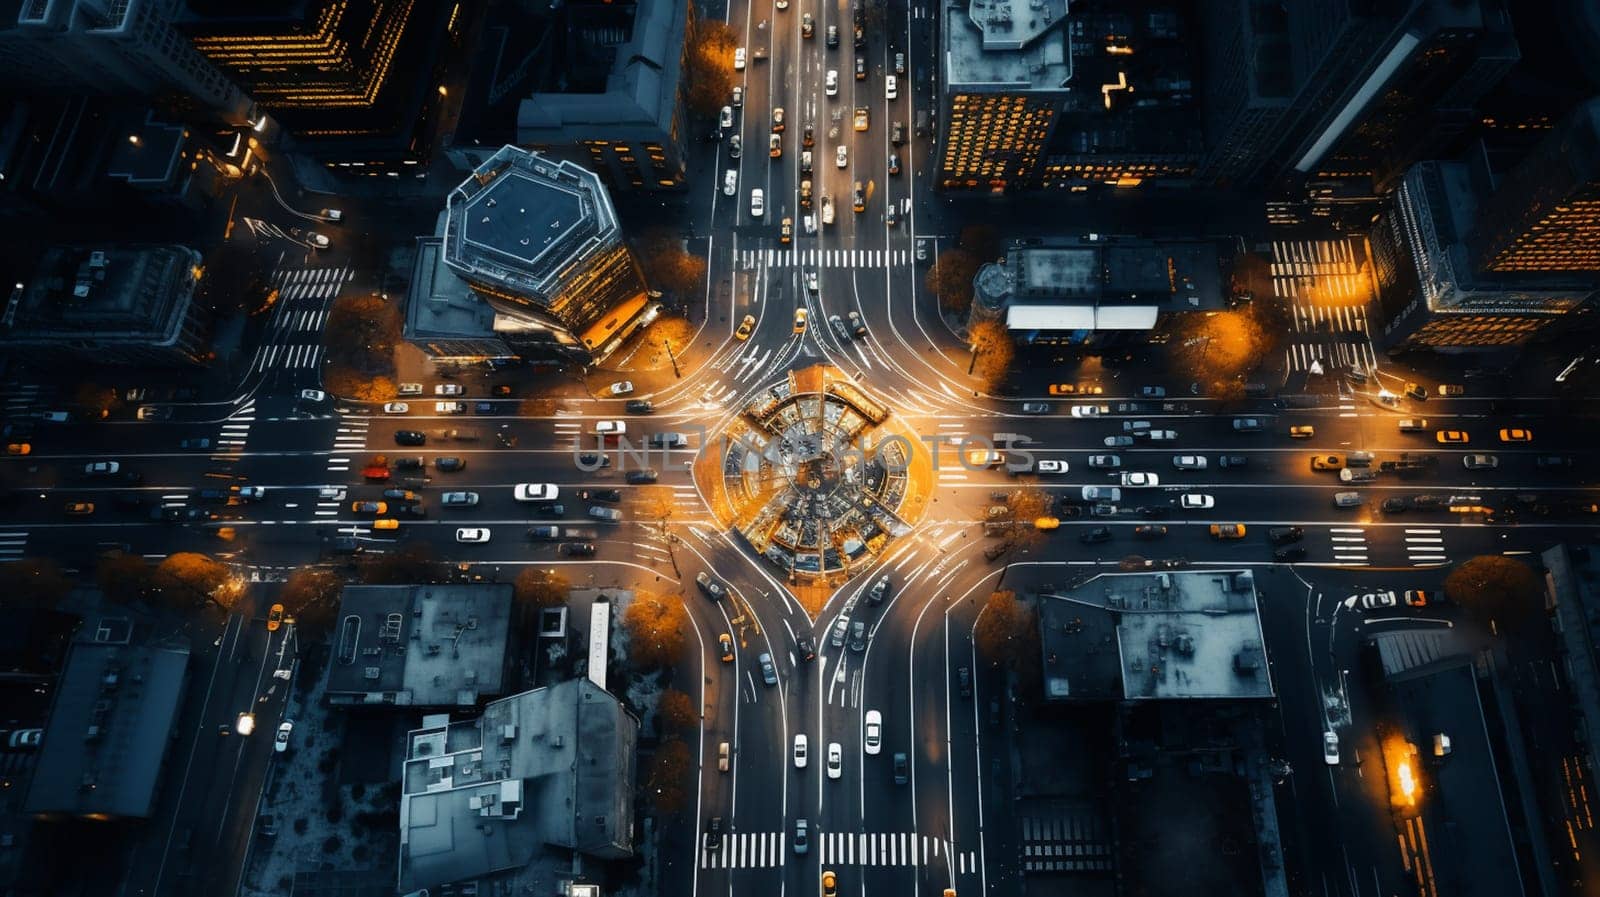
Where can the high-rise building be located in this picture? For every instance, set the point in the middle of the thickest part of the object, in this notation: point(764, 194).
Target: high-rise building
point(1450, 55)
point(1545, 214)
point(123, 48)
point(1007, 64)
point(1248, 85)
point(351, 79)
point(540, 242)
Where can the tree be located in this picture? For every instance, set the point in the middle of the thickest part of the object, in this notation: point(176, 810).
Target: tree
point(1002, 627)
point(535, 588)
point(668, 265)
point(950, 278)
point(353, 384)
point(980, 240)
point(667, 771)
point(675, 711)
point(1495, 588)
point(32, 582)
point(655, 626)
point(311, 596)
point(709, 66)
point(362, 332)
point(994, 352)
point(188, 579)
point(1028, 505)
point(413, 562)
point(123, 577)
point(96, 400)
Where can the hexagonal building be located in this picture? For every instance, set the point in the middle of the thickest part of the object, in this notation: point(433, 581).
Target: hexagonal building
point(540, 241)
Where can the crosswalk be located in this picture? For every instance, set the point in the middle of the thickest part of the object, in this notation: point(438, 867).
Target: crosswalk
point(791, 256)
point(12, 544)
point(22, 399)
point(1425, 547)
point(1349, 544)
point(1327, 290)
point(765, 850)
point(304, 298)
point(351, 438)
point(236, 429)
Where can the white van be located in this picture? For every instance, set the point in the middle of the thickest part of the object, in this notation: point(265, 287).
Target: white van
point(730, 182)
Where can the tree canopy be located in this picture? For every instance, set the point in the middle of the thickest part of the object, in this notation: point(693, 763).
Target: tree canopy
point(950, 278)
point(655, 625)
point(189, 579)
point(1495, 587)
point(536, 588)
point(311, 596)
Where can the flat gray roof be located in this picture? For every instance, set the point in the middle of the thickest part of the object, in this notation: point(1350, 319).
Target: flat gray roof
point(1177, 635)
point(1011, 45)
point(520, 216)
point(424, 646)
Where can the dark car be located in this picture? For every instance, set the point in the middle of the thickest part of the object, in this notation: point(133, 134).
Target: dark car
point(901, 776)
point(1283, 535)
point(400, 495)
point(879, 590)
point(1428, 502)
point(415, 462)
point(711, 586)
point(1395, 505)
point(411, 510)
point(449, 464)
point(1233, 462)
point(410, 437)
point(713, 836)
point(964, 680)
point(1098, 534)
point(807, 649)
point(577, 549)
point(606, 495)
point(833, 36)
point(1552, 462)
point(592, 461)
point(858, 636)
point(639, 406)
point(549, 509)
point(201, 443)
point(1292, 553)
point(1150, 531)
point(483, 408)
point(642, 477)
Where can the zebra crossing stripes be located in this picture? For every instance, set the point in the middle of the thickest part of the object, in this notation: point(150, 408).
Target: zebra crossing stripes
point(1349, 544)
point(236, 429)
point(351, 436)
point(823, 258)
point(763, 850)
point(1323, 269)
point(1425, 547)
point(21, 398)
point(12, 545)
point(310, 283)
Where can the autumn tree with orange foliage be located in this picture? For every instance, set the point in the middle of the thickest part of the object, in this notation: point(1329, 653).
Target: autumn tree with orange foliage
point(950, 278)
point(655, 625)
point(995, 351)
point(189, 578)
point(708, 67)
point(675, 711)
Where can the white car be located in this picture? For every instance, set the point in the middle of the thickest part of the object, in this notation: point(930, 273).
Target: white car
point(1139, 479)
point(810, 222)
point(317, 240)
point(1373, 600)
point(725, 119)
point(610, 427)
point(620, 388)
point(449, 389)
point(535, 492)
point(313, 395)
point(800, 747)
point(738, 95)
point(280, 742)
point(874, 736)
point(738, 59)
point(835, 760)
point(102, 468)
point(245, 724)
point(730, 182)
point(1189, 462)
point(841, 156)
point(1330, 748)
point(449, 407)
point(831, 86)
point(1088, 410)
point(395, 408)
point(827, 209)
point(1050, 467)
point(1194, 501)
point(891, 88)
point(410, 389)
point(472, 534)
point(758, 203)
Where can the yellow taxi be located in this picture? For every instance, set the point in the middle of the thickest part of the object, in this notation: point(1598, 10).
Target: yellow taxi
point(1452, 437)
point(386, 523)
point(1063, 389)
point(19, 448)
point(1047, 523)
point(1303, 431)
point(725, 645)
point(830, 884)
point(745, 328)
point(786, 230)
point(800, 316)
point(274, 618)
point(1516, 435)
point(1327, 462)
point(1227, 531)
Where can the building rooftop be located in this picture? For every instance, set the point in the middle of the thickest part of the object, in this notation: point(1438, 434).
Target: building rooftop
point(111, 724)
point(1177, 635)
point(549, 768)
point(1006, 45)
point(517, 221)
point(422, 646)
point(110, 294)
